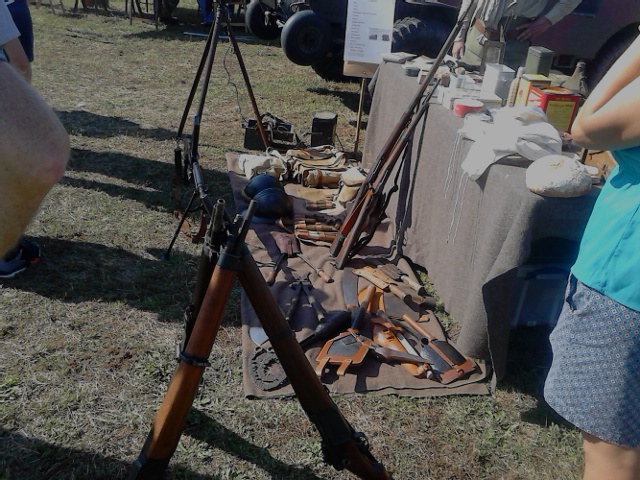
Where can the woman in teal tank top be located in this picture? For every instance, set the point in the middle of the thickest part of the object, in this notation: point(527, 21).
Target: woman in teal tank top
point(594, 380)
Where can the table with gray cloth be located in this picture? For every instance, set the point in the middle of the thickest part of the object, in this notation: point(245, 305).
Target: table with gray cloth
point(470, 236)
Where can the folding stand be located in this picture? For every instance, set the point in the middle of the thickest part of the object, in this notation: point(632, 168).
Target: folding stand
point(187, 168)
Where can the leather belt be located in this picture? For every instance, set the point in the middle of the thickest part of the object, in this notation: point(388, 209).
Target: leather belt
point(494, 35)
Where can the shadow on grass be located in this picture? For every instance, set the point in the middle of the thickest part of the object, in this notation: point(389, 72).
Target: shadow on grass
point(208, 430)
point(528, 363)
point(77, 271)
point(191, 29)
point(89, 124)
point(155, 178)
point(23, 458)
point(350, 100)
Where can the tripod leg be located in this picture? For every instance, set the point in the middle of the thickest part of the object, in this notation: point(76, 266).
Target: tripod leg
point(247, 83)
point(342, 446)
point(167, 252)
point(205, 59)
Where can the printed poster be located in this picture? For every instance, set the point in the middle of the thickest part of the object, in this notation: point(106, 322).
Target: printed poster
point(369, 30)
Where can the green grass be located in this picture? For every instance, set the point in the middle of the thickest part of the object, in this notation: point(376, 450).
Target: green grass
point(88, 333)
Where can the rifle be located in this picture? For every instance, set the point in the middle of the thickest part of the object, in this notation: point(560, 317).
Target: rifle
point(369, 204)
point(342, 446)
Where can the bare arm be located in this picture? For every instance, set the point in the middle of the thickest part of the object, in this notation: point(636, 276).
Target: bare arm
point(18, 58)
point(609, 119)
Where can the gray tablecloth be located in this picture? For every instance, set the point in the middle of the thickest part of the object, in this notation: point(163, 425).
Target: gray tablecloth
point(470, 236)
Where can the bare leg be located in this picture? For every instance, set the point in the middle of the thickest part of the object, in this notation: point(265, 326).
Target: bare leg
point(34, 148)
point(605, 461)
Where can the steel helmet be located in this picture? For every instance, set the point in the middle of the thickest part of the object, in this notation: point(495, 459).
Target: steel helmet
point(273, 202)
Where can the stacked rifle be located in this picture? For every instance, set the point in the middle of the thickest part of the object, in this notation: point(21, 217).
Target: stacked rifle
point(392, 306)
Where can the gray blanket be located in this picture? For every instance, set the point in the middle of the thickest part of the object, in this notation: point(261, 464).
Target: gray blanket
point(470, 236)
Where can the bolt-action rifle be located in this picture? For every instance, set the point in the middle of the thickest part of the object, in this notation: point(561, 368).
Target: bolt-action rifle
point(368, 207)
point(342, 446)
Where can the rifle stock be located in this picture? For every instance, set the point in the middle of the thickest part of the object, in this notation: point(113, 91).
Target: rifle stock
point(170, 419)
point(348, 224)
point(342, 246)
point(342, 446)
point(357, 221)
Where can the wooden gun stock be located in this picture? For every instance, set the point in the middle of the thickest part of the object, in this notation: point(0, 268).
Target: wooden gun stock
point(170, 418)
point(342, 446)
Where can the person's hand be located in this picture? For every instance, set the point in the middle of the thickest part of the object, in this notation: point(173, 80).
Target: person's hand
point(533, 29)
point(458, 49)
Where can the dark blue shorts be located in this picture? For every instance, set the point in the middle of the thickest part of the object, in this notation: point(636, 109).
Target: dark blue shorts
point(22, 18)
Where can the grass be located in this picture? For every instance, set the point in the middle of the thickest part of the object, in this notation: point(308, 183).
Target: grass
point(87, 335)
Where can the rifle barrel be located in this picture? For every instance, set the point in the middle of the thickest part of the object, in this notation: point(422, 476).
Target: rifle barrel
point(392, 149)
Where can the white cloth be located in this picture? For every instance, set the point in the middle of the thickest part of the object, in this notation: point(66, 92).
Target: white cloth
point(515, 130)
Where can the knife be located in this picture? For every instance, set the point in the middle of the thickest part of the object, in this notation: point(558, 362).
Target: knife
point(350, 289)
point(396, 274)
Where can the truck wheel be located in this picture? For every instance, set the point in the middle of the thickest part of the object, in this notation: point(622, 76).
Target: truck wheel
point(306, 38)
point(259, 24)
point(608, 55)
point(420, 37)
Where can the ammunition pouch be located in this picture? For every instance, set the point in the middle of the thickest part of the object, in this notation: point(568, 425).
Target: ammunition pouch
point(271, 163)
point(317, 167)
point(318, 178)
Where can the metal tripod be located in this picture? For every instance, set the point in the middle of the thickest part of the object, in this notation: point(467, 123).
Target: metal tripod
point(186, 157)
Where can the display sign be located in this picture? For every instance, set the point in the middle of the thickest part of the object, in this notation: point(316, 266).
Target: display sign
point(369, 35)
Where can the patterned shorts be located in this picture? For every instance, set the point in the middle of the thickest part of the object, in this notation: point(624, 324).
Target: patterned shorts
point(594, 381)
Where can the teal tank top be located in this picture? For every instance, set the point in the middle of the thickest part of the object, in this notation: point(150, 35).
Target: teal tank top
point(609, 256)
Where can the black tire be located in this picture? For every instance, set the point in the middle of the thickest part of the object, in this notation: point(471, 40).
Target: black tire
point(420, 37)
point(306, 38)
point(608, 55)
point(410, 35)
point(259, 24)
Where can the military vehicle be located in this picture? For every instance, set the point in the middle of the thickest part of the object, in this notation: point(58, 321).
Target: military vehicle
point(312, 32)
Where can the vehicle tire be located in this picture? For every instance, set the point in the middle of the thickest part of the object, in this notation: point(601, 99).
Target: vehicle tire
point(608, 55)
point(259, 24)
point(410, 35)
point(306, 38)
point(420, 37)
